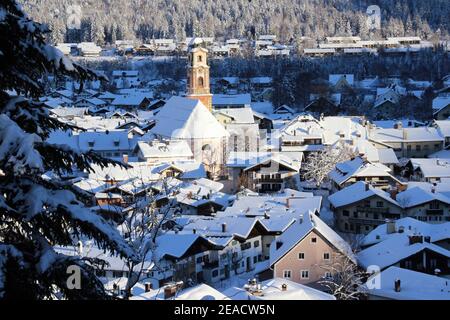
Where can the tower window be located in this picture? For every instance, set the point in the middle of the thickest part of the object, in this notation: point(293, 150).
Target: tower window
point(199, 58)
point(200, 81)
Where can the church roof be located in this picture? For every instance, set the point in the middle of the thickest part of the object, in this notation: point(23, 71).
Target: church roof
point(184, 118)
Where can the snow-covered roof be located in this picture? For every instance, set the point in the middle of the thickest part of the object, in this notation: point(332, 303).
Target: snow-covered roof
point(104, 140)
point(432, 168)
point(265, 107)
point(129, 100)
point(357, 167)
point(273, 290)
point(417, 196)
point(406, 134)
point(413, 285)
point(243, 99)
point(239, 115)
point(198, 292)
point(335, 78)
point(395, 249)
point(180, 118)
point(408, 226)
point(169, 149)
point(387, 156)
point(443, 127)
point(356, 192)
point(440, 102)
point(299, 230)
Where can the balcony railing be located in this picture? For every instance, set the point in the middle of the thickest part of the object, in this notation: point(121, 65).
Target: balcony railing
point(435, 211)
point(382, 210)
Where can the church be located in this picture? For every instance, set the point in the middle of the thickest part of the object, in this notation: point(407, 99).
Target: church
point(211, 134)
point(190, 118)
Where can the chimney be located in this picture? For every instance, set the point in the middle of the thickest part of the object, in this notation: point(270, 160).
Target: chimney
point(390, 226)
point(148, 286)
point(278, 244)
point(284, 287)
point(224, 227)
point(194, 231)
point(393, 193)
point(415, 239)
point(366, 186)
point(405, 134)
point(170, 291)
point(125, 158)
point(433, 190)
point(300, 219)
point(288, 204)
point(397, 286)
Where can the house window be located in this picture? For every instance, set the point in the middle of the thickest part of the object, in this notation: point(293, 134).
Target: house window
point(326, 256)
point(434, 205)
point(418, 148)
point(301, 256)
point(313, 240)
point(304, 274)
point(380, 204)
point(215, 273)
point(255, 259)
point(199, 260)
point(256, 244)
point(287, 274)
point(327, 275)
point(437, 146)
point(345, 213)
point(355, 214)
point(375, 216)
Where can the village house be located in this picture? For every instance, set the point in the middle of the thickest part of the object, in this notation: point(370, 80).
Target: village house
point(360, 208)
point(263, 172)
point(358, 169)
point(402, 284)
point(441, 107)
point(428, 170)
point(164, 151)
point(409, 142)
point(309, 251)
point(412, 252)
point(438, 233)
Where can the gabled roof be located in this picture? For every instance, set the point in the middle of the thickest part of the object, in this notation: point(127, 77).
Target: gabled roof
point(358, 192)
point(172, 149)
point(299, 230)
point(104, 140)
point(413, 285)
point(180, 118)
point(393, 250)
point(417, 196)
point(408, 226)
point(432, 168)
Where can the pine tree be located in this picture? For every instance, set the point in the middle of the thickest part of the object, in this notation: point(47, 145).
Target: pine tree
point(39, 213)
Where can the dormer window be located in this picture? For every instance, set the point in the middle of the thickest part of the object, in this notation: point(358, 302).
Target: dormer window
point(116, 143)
point(91, 143)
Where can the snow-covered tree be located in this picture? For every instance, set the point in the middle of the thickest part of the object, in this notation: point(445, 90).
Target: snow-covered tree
point(319, 164)
point(346, 281)
point(38, 213)
point(141, 226)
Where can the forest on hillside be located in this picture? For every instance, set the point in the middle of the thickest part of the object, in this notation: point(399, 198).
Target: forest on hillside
point(104, 21)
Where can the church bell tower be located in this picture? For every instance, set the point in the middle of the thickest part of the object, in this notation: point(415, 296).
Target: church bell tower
point(198, 74)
